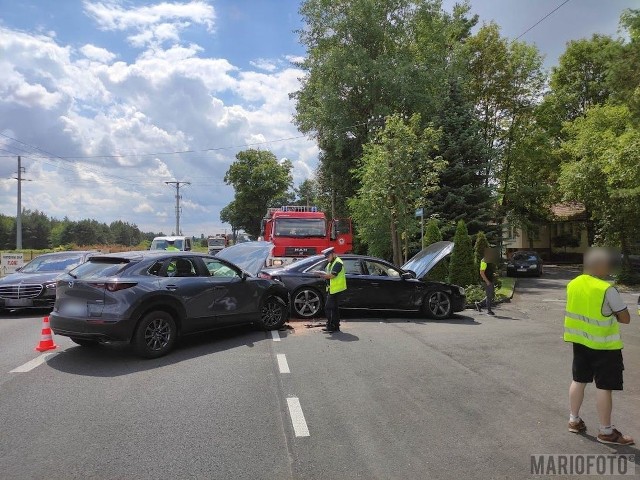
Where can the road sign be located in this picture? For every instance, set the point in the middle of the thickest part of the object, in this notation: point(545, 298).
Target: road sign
point(10, 262)
point(420, 212)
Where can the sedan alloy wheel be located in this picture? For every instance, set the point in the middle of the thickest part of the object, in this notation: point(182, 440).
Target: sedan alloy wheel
point(307, 303)
point(273, 313)
point(439, 305)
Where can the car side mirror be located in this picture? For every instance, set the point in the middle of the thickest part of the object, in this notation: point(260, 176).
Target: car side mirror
point(408, 275)
point(19, 269)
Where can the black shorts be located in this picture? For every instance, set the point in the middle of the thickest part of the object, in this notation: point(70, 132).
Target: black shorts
point(605, 366)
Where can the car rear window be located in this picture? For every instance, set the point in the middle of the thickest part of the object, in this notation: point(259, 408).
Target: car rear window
point(100, 267)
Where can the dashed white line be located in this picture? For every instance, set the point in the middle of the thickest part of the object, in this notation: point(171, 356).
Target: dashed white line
point(297, 417)
point(275, 335)
point(283, 365)
point(31, 364)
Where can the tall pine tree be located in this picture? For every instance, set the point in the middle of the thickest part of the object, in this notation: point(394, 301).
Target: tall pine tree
point(463, 194)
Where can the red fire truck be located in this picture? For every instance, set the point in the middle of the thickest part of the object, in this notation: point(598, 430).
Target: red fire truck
point(299, 232)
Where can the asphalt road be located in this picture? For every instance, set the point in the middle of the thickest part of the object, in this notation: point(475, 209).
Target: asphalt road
point(388, 397)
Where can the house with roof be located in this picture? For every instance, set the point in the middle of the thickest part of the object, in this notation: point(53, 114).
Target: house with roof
point(563, 236)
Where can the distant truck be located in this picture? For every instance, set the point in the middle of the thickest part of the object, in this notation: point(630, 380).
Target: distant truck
point(298, 231)
point(180, 242)
point(216, 243)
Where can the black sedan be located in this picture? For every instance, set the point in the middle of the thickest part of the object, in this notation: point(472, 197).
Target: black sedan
point(34, 285)
point(374, 284)
point(524, 263)
point(149, 298)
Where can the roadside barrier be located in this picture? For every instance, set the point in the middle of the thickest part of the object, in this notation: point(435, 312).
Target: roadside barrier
point(46, 339)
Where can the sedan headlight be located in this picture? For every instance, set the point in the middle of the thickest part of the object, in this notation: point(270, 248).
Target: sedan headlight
point(531, 267)
point(461, 290)
point(50, 286)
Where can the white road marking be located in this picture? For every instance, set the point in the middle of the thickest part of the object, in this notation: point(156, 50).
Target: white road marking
point(275, 335)
point(283, 365)
point(297, 417)
point(31, 364)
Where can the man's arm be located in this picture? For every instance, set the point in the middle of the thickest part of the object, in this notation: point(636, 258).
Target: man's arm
point(623, 316)
point(617, 305)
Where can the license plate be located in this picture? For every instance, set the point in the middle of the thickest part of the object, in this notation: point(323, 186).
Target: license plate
point(522, 269)
point(18, 302)
point(74, 309)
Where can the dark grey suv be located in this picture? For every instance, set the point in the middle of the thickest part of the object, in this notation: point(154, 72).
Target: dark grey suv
point(149, 298)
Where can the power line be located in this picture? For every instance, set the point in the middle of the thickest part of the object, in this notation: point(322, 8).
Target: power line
point(178, 152)
point(542, 19)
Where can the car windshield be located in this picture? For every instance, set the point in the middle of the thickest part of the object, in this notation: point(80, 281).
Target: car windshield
point(300, 227)
point(52, 263)
point(99, 268)
point(216, 242)
point(528, 257)
point(163, 244)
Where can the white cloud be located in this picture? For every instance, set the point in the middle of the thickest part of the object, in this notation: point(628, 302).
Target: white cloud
point(264, 64)
point(153, 23)
point(168, 99)
point(98, 54)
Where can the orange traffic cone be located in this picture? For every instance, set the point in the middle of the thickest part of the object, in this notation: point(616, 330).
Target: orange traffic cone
point(46, 340)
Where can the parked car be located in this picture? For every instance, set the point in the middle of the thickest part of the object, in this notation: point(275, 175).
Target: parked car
point(374, 284)
point(524, 263)
point(150, 298)
point(182, 243)
point(34, 285)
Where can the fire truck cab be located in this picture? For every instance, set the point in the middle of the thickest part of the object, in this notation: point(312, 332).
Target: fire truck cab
point(298, 231)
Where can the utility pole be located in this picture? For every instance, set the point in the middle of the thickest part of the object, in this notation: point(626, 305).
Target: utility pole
point(176, 184)
point(19, 211)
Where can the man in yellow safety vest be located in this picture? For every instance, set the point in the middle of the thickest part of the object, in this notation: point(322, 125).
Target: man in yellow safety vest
point(337, 283)
point(591, 323)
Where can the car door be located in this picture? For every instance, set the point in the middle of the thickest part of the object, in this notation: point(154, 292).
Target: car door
point(386, 288)
point(236, 297)
point(182, 278)
point(355, 296)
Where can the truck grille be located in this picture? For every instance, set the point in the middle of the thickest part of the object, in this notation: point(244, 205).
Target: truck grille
point(299, 251)
point(20, 291)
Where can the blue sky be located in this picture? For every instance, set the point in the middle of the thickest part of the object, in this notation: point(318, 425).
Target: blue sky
point(92, 78)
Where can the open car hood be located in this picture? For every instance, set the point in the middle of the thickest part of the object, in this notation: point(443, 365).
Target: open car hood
point(424, 261)
point(249, 256)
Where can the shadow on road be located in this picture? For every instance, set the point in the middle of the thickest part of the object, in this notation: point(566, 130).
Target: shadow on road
point(408, 317)
point(343, 337)
point(117, 359)
point(619, 449)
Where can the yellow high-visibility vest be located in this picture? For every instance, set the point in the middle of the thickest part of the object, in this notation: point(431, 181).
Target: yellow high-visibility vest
point(583, 319)
point(339, 282)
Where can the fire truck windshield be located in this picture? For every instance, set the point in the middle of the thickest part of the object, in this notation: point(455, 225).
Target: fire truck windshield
point(300, 227)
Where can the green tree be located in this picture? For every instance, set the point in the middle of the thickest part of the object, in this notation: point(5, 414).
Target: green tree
point(625, 69)
point(307, 193)
point(601, 171)
point(432, 234)
point(461, 266)
point(463, 194)
point(7, 232)
point(369, 59)
point(580, 80)
point(479, 247)
point(258, 179)
point(399, 171)
point(36, 227)
point(506, 82)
